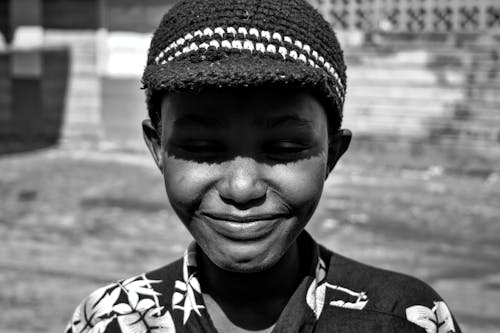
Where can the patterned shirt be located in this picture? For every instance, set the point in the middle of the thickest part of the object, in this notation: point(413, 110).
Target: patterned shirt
point(336, 295)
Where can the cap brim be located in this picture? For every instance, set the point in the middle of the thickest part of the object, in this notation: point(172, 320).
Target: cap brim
point(235, 72)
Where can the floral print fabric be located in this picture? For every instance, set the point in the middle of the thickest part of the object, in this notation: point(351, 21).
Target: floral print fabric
point(337, 294)
point(131, 304)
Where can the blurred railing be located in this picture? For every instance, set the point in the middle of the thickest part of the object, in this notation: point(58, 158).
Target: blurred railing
point(422, 70)
point(412, 15)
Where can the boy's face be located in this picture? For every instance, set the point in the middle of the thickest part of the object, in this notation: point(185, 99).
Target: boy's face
point(243, 169)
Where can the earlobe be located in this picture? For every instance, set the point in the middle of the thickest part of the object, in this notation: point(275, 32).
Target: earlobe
point(153, 142)
point(337, 146)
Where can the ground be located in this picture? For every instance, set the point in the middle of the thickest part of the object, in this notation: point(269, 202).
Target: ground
point(71, 221)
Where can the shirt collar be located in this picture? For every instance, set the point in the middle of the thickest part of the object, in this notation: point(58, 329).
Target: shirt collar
point(301, 312)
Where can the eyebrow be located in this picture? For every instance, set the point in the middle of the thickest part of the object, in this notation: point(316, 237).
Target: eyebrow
point(194, 120)
point(212, 122)
point(285, 120)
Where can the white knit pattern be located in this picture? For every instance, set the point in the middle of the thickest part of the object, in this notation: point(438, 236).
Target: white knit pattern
point(308, 56)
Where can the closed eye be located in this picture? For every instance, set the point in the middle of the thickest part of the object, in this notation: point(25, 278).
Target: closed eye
point(201, 147)
point(285, 149)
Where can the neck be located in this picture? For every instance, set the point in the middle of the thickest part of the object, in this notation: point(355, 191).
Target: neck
point(278, 283)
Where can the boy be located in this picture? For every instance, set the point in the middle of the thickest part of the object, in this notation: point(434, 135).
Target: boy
point(245, 104)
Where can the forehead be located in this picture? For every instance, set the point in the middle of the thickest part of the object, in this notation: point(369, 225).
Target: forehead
point(251, 106)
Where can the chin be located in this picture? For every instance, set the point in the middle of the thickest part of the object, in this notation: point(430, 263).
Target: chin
point(245, 254)
point(247, 267)
point(245, 257)
point(255, 264)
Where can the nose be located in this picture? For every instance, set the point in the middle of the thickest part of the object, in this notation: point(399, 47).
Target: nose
point(242, 183)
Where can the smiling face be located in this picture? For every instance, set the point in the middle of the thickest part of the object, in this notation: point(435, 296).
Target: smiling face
point(244, 170)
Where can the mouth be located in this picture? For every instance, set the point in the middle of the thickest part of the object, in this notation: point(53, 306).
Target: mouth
point(243, 228)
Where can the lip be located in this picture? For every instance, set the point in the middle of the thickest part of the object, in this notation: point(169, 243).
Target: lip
point(243, 228)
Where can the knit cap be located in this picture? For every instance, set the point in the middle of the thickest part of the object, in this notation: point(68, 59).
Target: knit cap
point(202, 44)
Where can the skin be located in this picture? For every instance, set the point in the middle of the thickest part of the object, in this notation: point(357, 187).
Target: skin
point(244, 170)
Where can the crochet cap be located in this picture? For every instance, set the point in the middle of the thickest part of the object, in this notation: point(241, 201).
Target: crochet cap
point(202, 44)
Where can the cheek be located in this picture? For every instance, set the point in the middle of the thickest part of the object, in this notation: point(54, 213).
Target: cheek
point(185, 183)
point(301, 183)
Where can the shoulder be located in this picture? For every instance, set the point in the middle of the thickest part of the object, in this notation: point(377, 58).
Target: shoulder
point(110, 307)
point(386, 293)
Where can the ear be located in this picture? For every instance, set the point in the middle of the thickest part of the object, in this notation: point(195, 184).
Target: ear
point(337, 146)
point(153, 141)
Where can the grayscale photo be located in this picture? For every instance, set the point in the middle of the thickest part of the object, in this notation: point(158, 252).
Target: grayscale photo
point(232, 166)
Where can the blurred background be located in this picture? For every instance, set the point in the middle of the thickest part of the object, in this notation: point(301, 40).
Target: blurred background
point(81, 203)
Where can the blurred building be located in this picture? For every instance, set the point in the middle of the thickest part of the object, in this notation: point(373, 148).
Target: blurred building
point(421, 70)
point(100, 98)
point(412, 16)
